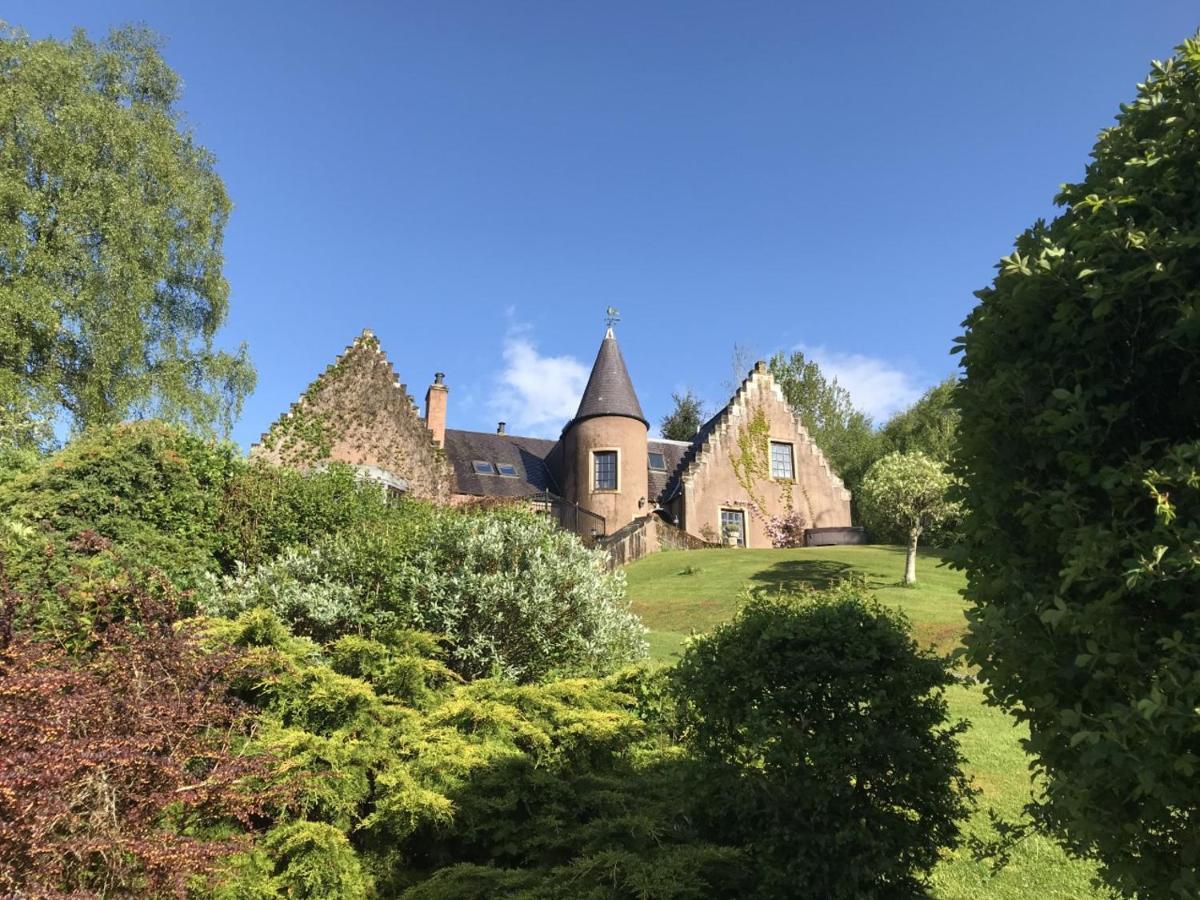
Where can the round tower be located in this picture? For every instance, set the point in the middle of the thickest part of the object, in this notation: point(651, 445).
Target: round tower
point(605, 452)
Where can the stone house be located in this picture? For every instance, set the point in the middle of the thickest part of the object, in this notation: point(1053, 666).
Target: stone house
point(751, 463)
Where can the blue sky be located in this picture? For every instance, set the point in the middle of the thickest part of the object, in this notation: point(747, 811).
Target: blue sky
point(476, 182)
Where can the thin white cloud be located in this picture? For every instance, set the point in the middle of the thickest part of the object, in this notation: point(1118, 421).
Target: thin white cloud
point(876, 386)
point(536, 395)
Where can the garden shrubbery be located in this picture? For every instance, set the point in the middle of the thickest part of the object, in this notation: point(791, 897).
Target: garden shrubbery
point(147, 492)
point(392, 699)
point(823, 730)
point(127, 768)
point(1080, 459)
point(512, 594)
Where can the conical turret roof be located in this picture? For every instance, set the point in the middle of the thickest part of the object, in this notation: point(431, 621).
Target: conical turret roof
point(609, 391)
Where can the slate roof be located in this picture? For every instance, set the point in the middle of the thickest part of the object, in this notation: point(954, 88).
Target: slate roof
point(527, 455)
point(609, 390)
point(673, 452)
point(689, 454)
point(534, 460)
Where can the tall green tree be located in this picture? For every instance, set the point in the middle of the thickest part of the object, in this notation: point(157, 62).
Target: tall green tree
point(1080, 456)
point(929, 426)
point(111, 221)
point(846, 435)
point(682, 423)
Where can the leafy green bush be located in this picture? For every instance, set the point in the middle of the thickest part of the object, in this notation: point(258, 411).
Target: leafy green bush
point(1080, 455)
point(267, 509)
point(297, 587)
point(140, 495)
point(831, 760)
point(512, 594)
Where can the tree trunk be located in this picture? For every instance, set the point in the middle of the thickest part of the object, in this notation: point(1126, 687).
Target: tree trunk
point(910, 561)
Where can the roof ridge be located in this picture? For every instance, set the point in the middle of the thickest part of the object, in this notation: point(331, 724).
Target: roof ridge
point(506, 434)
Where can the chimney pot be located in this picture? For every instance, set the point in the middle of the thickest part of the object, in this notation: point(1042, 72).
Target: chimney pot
point(439, 377)
point(500, 428)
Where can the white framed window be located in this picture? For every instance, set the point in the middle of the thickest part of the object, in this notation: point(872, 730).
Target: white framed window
point(605, 468)
point(483, 467)
point(657, 461)
point(733, 527)
point(506, 470)
point(783, 461)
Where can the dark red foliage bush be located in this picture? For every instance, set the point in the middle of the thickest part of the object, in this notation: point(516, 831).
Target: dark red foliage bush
point(122, 769)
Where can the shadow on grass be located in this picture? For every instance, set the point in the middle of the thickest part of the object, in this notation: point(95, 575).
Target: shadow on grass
point(791, 573)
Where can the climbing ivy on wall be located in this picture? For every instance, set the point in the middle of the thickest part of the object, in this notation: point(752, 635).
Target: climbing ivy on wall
point(303, 436)
point(752, 461)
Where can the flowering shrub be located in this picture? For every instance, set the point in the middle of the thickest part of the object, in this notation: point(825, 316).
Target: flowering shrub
point(786, 530)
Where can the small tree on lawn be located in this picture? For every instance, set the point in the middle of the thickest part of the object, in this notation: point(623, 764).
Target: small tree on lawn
point(906, 492)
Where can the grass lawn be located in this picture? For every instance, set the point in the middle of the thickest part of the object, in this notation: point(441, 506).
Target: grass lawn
point(679, 593)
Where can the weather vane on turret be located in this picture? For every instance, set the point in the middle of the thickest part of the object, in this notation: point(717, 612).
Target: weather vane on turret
point(611, 316)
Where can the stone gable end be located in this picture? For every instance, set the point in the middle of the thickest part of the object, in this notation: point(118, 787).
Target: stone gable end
point(357, 412)
point(719, 476)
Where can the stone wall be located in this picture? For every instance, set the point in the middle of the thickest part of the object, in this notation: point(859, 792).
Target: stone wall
point(630, 543)
point(357, 412)
point(731, 468)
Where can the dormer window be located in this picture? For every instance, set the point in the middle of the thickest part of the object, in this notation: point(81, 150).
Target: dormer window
point(658, 462)
point(483, 468)
point(506, 470)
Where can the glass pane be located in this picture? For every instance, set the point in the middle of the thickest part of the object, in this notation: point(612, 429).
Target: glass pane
point(606, 470)
point(781, 460)
point(658, 462)
point(483, 468)
point(733, 525)
point(506, 470)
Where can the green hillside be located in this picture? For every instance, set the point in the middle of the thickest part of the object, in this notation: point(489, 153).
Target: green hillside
point(684, 592)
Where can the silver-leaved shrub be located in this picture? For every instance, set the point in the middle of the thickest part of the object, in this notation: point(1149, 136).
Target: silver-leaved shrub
point(511, 594)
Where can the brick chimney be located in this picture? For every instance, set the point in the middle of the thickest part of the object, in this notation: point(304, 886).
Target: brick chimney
point(435, 408)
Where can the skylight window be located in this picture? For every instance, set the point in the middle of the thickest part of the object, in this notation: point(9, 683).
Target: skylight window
point(506, 470)
point(483, 468)
point(658, 462)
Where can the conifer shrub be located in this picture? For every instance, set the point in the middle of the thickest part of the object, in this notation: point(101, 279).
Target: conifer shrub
point(1080, 456)
point(475, 789)
point(829, 757)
